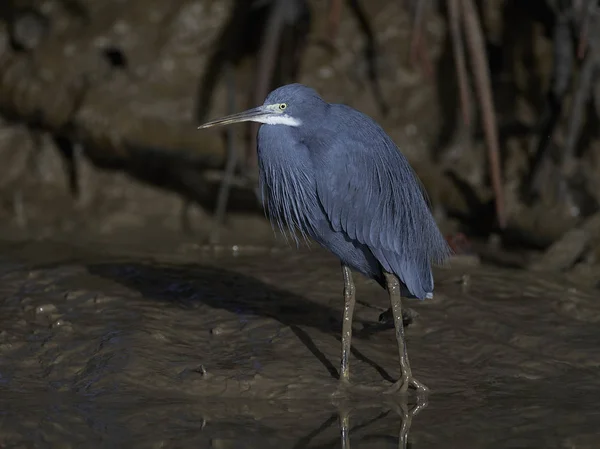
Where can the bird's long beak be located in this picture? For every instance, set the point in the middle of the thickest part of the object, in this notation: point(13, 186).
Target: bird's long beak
point(259, 114)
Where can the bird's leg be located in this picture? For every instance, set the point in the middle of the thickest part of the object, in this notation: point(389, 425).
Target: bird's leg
point(349, 302)
point(406, 379)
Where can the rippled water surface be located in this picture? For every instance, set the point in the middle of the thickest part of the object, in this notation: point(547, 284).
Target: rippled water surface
point(188, 348)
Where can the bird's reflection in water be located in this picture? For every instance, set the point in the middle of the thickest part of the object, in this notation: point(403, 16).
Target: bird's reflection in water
point(402, 408)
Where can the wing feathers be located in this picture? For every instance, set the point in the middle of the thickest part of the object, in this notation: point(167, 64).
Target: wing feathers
point(370, 192)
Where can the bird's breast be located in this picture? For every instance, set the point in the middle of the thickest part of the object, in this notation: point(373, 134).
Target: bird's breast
point(287, 179)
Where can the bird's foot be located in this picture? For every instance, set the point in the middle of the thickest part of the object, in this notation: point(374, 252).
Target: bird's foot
point(401, 386)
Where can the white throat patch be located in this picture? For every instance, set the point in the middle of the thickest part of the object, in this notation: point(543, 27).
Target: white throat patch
point(280, 119)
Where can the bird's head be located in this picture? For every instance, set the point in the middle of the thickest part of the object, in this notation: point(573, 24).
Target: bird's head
point(289, 105)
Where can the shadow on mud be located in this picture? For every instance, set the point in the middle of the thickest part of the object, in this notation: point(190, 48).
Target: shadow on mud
point(188, 285)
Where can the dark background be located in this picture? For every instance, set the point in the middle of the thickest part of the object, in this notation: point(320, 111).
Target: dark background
point(99, 103)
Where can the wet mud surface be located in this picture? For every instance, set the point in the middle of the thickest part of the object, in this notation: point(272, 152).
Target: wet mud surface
point(185, 347)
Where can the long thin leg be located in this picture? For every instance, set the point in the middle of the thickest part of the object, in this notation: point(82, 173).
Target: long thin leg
point(406, 379)
point(349, 302)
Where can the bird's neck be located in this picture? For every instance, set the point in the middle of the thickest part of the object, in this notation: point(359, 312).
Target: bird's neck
point(286, 178)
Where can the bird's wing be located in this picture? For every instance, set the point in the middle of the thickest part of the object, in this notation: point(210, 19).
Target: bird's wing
point(370, 192)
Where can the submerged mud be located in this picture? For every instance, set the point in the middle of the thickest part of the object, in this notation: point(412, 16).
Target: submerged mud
point(232, 349)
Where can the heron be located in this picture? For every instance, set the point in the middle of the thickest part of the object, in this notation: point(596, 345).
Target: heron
point(330, 173)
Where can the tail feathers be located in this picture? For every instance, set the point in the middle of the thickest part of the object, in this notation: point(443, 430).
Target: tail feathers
point(416, 275)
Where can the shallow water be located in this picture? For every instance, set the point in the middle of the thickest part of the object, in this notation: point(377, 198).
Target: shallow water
point(113, 346)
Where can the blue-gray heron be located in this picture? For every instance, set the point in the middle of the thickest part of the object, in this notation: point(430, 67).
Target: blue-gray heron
point(331, 173)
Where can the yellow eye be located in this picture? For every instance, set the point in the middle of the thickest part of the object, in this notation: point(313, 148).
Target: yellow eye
point(282, 106)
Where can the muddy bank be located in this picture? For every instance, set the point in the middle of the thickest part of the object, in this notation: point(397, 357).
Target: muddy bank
point(192, 348)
